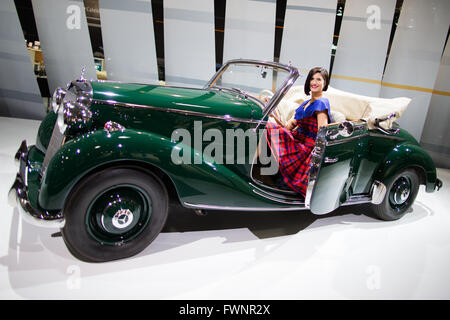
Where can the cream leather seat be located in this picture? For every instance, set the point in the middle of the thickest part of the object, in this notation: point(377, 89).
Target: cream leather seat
point(346, 106)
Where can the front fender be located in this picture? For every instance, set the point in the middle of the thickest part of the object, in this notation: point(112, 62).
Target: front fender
point(404, 156)
point(205, 182)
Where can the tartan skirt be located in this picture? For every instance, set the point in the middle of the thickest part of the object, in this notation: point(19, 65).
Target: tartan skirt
point(293, 150)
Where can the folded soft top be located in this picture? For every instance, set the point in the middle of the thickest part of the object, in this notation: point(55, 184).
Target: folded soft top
point(349, 106)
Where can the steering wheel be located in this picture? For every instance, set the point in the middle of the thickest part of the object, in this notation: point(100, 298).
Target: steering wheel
point(265, 95)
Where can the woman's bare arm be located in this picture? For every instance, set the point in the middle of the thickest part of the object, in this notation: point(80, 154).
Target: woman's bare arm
point(322, 119)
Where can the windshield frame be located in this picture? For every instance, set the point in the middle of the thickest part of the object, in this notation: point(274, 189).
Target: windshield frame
point(277, 96)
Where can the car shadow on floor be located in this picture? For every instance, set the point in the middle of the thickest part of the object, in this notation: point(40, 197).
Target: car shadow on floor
point(262, 224)
point(36, 258)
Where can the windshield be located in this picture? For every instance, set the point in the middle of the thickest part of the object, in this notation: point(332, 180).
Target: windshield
point(254, 79)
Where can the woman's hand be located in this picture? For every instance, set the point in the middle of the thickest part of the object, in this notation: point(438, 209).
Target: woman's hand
point(291, 124)
point(265, 99)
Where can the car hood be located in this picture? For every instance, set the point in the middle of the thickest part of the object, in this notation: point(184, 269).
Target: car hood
point(204, 101)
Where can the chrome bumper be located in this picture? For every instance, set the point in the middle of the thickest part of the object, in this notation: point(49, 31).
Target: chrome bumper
point(438, 184)
point(18, 196)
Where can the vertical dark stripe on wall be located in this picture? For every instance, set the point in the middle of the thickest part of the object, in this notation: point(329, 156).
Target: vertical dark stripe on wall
point(445, 44)
point(28, 24)
point(158, 28)
point(219, 29)
point(279, 27)
point(92, 11)
point(27, 21)
point(337, 28)
point(398, 8)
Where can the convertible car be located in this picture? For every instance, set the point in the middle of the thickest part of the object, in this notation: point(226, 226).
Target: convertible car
point(111, 155)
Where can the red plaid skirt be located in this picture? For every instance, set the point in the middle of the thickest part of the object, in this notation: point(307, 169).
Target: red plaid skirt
point(293, 149)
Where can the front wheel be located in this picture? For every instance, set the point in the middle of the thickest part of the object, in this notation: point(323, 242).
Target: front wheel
point(114, 214)
point(400, 195)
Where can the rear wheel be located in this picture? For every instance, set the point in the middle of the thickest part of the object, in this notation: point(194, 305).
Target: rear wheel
point(400, 195)
point(114, 214)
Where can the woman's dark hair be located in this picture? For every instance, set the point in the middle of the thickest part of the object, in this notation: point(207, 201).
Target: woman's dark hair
point(312, 72)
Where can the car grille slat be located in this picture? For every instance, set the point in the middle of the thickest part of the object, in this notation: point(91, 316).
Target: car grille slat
point(55, 143)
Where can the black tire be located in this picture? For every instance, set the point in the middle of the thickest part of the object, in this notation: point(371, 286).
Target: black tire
point(139, 201)
point(401, 192)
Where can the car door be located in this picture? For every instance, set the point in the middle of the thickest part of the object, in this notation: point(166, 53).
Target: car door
point(338, 151)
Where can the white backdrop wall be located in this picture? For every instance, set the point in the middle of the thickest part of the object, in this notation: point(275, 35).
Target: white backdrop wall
point(189, 42)
point(65, 41)
point(129, 40)
point(308, 34)
point(19, 91)
point(249, 29)
point(415, 57)
point(436, 131)
point(362, 46)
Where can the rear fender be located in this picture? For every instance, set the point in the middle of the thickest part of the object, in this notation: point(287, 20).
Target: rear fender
point(407, 156)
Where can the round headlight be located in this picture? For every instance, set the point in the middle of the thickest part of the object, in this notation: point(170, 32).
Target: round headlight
point(57, 99)
point(73, 113)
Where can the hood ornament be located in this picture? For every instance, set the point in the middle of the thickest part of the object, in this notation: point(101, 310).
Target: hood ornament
point(83, 73)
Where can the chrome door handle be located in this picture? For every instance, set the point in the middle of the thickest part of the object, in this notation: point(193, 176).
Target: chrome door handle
point(331, 160)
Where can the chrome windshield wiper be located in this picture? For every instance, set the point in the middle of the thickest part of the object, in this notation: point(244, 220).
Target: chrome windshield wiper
point(241, 92)
point(232, 89)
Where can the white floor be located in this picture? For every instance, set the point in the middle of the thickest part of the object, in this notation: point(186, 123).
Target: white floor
point(224, 255)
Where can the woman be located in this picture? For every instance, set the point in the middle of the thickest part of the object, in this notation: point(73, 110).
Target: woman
point(293, 146)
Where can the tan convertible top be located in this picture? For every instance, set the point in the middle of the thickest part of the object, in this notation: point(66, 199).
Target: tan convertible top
point(348, 106)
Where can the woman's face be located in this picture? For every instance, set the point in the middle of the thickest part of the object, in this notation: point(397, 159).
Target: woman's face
point(317, 83)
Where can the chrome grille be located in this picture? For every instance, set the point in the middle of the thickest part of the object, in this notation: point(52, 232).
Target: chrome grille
point(55, 143)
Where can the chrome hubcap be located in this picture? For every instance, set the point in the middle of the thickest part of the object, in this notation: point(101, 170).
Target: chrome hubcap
point(118, 214)
point(122, 219)
point(402, 190)
point(402, 196)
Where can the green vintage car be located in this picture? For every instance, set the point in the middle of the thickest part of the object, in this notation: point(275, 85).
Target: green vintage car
point(109, 155)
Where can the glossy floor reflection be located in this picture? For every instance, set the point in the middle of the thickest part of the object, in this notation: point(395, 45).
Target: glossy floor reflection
point(343, 255)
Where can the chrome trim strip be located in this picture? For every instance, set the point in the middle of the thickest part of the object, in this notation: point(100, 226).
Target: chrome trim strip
point(56, 141)
point(385, 136)
point(273, 190)
point(331, 160)
point(172, 110)
point(356, 137)
point(213, 207)
point(356, 200)
point(280, 93)
point(316, 162)
point(272, 198)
